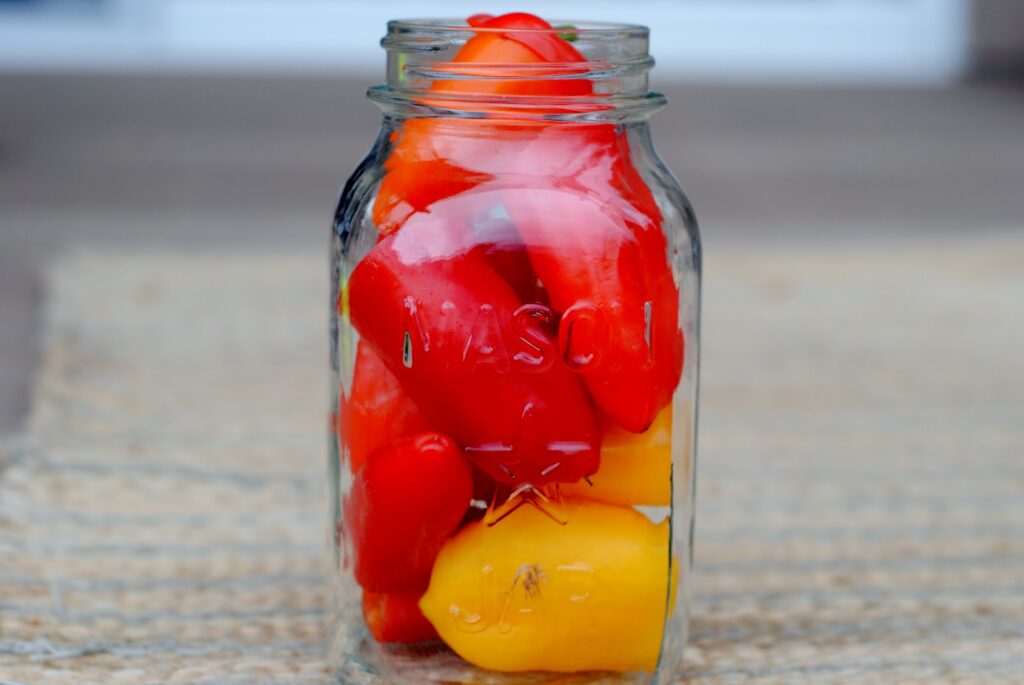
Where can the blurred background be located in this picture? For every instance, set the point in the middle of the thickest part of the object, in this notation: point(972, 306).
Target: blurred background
point(232, 123)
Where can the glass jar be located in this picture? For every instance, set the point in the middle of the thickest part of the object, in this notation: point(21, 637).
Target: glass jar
point(516, 290)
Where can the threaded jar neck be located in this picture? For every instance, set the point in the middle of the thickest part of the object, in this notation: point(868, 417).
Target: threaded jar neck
point(574, 70)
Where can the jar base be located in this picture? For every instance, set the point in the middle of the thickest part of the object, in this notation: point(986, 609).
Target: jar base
point(371, 663)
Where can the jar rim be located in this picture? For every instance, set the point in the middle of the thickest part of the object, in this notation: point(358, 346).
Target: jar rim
point(588, 29)
point(421, 55)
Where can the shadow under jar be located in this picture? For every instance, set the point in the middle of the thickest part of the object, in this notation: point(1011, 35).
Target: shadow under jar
point(516, 289)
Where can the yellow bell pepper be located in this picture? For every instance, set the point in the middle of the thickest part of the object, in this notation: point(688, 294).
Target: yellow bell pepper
point(532, 594)
point(635, 468)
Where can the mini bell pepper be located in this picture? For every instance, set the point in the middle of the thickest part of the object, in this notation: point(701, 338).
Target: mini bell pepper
point(377, 411)
point(603, 259)
point(500, 45)
point(396, 617)
point(417, 174)
point(471, 355)
point(404, 502)
point(531, 594)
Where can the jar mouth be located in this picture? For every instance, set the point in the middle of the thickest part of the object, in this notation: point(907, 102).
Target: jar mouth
point(590, 30)
point(603, 74)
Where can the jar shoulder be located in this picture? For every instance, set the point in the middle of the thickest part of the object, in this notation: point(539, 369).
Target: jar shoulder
point(456, 165)
point(663, 183)
point(360, 188)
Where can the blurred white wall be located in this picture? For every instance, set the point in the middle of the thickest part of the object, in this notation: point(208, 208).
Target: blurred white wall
point(922, 42)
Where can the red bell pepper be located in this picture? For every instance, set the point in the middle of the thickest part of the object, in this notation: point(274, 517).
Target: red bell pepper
point(404, 502)
point(594, 236)
point(536, 34)
point(501, 44)
point(417, 173)
point(473, 358)
point(609, 278)
point(396, 617)
point(378, 411)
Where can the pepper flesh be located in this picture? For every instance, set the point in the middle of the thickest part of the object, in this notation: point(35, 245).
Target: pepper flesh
point(377, 411)
point(396, 617)
point(530, 594)
point(605, 269)
point(416, 177)
point(405, 501)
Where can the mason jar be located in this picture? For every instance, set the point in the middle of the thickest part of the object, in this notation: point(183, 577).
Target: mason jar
point(514, 329)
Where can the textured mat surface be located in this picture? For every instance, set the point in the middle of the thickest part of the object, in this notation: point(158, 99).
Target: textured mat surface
point(861, 478)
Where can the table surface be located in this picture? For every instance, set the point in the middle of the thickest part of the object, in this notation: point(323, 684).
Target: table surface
point(861, 488)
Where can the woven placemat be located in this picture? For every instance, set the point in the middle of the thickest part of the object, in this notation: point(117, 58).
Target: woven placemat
point(861, 477)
